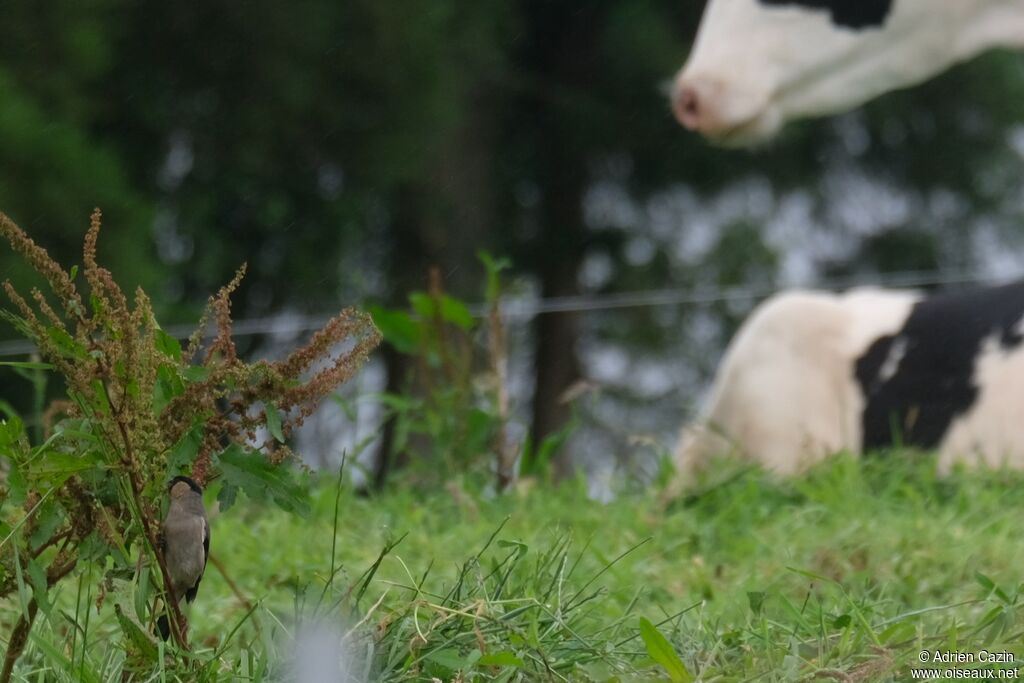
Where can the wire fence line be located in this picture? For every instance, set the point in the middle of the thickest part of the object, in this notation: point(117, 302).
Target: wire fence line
point(520, 308)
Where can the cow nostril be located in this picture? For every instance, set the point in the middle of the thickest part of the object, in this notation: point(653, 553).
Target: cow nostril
point(686, 107)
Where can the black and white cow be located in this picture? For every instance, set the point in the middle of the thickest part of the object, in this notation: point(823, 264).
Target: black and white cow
point(812, 373)
point(757, 64)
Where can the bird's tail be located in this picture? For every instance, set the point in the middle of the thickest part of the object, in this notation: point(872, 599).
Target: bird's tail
point(163, 626)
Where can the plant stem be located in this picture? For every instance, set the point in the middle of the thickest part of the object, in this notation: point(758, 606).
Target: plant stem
point(19, 638)
point(231, 583)
point(176, 619)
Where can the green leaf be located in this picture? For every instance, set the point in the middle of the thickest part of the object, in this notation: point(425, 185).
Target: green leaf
point(143, 641)
point(17, 485)
point(57, 467)
point(94, 548)
point(80, 429)
point(65, 343)
point(102, 404)
point(449, 658)
point(261, 480)
point(37, 579)
point(502, 658)
point(195, 373)
point(423, 305)
point(11, 431)
point(226, 496)
point(536, 460)
point(185, 451)
point(273, 421)
point(521, 548)
point(999, 625)
point(141, 593)
point(456, 312)
point(471, 659)
point(842, 621)
point(661, 652)
point(168, 386)
point(398, 329)
point(167, 345)
point(397, 402)
point(494, 267)
point(450, 309)
point(992, 588)
point(48, 517)
point(27, 365)
point(898, 632)
point(756, 601)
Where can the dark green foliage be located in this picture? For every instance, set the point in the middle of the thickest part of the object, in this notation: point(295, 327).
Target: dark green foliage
point(53, 166)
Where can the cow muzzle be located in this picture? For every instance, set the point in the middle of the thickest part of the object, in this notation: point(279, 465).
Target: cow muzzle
point(704, 105)
point(689, 104)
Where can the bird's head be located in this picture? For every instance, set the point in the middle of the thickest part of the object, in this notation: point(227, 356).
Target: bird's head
point(181, 486)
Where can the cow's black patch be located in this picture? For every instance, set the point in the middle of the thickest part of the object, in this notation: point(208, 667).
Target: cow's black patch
point(846, 13)
point(917, 381)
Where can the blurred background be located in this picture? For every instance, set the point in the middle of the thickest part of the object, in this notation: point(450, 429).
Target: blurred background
point(345, 149)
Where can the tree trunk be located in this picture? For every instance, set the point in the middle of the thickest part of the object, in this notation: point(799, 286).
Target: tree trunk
point(409, 256)
point(556, 367)
point(396, 366)
point(565, 61)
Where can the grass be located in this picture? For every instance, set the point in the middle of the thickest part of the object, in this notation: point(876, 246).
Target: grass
point(845, 574)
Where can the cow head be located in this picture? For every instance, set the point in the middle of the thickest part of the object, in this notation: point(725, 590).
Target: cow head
point(757, 64)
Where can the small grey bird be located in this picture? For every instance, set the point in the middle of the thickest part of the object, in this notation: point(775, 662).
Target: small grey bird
point(186, 543)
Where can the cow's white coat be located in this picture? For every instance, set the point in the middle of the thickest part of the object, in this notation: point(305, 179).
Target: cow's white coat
point(992, 432)
point(786, 395)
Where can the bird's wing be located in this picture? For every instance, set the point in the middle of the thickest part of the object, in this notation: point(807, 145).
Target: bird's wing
point(190, 594)
point(206, 541)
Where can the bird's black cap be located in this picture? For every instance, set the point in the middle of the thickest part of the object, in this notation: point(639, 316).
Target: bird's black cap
point(188, 480)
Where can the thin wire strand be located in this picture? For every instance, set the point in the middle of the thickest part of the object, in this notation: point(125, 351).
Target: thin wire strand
point(519, 309)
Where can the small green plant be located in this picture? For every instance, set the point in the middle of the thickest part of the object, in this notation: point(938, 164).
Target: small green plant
point(140, 409)
point(456, 410)
point(512, 613)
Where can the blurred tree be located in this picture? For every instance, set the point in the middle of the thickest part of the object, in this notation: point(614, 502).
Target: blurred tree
point(306, 132)
point(344, 148)
point(55, 163)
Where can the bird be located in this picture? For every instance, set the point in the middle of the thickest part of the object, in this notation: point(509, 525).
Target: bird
point(186, 543)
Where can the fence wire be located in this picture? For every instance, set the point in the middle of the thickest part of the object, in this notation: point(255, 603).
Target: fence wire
point(519, 309)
